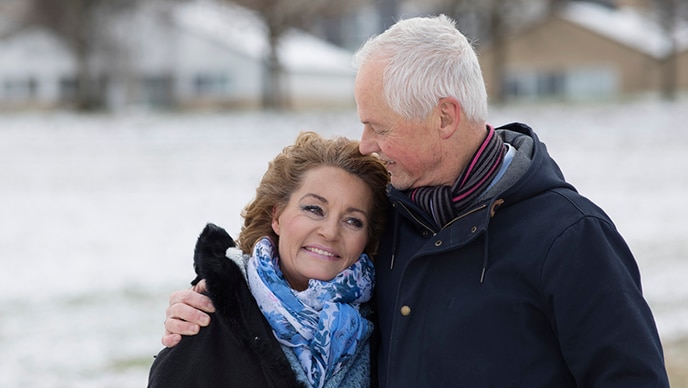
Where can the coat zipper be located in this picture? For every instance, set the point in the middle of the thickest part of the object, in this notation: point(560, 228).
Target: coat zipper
point(419, 222)
point(481, 207)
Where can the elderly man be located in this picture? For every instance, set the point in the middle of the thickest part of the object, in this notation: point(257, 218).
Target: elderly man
point(493, 270)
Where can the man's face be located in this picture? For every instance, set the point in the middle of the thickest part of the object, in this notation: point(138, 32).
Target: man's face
point(409, 148)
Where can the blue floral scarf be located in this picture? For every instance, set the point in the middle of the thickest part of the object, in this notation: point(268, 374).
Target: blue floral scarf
point(322, 323)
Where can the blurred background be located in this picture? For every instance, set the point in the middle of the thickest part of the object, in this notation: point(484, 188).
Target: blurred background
point(126, 125)
point(116, 55)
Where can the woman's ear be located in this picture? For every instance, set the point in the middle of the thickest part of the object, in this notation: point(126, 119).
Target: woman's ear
point(275, 221)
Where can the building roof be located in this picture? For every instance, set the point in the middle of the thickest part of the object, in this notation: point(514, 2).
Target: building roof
point(244, 31)
point(625, 25)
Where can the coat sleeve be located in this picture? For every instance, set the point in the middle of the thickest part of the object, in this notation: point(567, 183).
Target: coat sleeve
point(606, 330)
point(237, 348)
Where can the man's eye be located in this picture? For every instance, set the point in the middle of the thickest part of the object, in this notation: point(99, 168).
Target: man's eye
point(380, 131)
point(374, 129)
point(317, 210)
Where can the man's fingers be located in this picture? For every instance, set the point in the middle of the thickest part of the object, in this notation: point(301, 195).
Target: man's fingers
point(184, 319)
point(180, 326)
point(186, 314)
point(193, 299)
point(169, 340)
point(200, 286)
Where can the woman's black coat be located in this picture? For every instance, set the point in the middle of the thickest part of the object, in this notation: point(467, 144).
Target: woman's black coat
point(238, 348)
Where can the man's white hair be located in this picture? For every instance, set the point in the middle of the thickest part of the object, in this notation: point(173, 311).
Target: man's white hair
point(427, 58)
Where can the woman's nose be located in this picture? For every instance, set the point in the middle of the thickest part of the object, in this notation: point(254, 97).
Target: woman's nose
point(329, 229)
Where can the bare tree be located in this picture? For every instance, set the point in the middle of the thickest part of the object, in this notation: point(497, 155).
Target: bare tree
point(279, 16)
point(670, 14)
point(82, 26)
point(11, 12)
point(388, 10)
point(492, 21)
point(554, 6)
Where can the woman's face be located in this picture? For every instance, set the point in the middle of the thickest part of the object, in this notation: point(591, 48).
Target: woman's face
point(323, 229)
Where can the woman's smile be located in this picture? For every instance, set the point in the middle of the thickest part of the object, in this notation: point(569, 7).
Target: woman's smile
point(323, 228)
point(322, 252)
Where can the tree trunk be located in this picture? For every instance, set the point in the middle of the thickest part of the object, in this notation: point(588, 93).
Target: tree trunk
point(497, 32)
point(87, 89)
point(669, 73)
point(388, 11)
point(669, 62)
point(274, 96)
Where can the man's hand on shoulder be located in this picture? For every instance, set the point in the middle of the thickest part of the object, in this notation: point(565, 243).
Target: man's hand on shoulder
point(186, 314)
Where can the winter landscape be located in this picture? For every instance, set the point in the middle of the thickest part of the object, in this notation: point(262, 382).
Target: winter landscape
point(99, 215)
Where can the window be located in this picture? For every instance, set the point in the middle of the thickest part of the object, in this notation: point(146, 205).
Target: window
point(210, 84)
point(67, 88)
point(157, 90)
point(20, 89)
point(583, 82)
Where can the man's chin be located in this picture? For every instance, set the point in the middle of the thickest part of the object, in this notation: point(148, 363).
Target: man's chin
point(399, 184)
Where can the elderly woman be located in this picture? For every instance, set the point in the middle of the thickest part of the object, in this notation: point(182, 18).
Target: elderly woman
point(291, 302)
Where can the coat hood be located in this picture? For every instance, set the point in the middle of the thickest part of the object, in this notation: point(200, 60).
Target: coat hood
point(531, 172)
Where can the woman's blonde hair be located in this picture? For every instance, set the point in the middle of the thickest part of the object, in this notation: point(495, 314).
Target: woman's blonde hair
point(285, 175)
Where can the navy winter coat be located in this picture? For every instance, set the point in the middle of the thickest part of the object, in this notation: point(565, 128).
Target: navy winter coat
point(532, 287)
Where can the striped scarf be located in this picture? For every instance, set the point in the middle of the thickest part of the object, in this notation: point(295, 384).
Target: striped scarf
point(444, 203)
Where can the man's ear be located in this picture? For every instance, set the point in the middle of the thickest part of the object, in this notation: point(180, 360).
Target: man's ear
point(450, 116)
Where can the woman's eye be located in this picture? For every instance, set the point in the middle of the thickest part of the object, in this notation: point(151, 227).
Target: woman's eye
point(317, 210)
point(355, 222)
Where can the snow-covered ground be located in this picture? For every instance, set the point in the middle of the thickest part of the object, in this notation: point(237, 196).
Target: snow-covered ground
point(99, 215)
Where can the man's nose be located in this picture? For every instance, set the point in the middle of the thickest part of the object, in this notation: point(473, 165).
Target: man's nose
point(368, 145)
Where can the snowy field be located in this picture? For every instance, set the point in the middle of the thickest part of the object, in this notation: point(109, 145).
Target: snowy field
point(99, 215)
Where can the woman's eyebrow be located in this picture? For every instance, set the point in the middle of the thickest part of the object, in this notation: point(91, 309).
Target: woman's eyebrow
point(324, 200)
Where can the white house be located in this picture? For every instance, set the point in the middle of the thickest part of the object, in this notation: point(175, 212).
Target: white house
point(196, 54)
point(34, 68)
